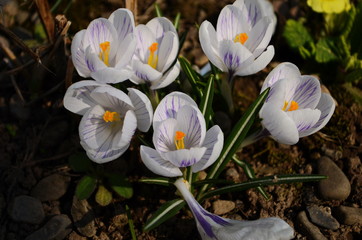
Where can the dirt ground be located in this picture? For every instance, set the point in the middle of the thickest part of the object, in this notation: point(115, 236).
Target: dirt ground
point(38, 135)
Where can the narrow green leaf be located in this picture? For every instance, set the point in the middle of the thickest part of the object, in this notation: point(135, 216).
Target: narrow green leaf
point(176, 23)
point(296, 34)
point(85, 187)
point(236, 137)
point(103, 196)
point(120, 185)
point(212, 181)
point(192, 76)
point(158, 10)
point(130, 223)
point(207, 98)
point(265, 181)
point(325, 50)
point(158, 181)
point(79, 162)
point(165, 212)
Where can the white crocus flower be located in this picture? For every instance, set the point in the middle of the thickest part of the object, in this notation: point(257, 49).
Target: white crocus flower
point(104, 50)
point(242, 34)
point(110, 117)
point(213, 227)
point(180, 138)
point(295, 106)
point(156, 51)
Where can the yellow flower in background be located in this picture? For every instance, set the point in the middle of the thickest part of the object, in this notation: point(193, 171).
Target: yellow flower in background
point(329, 6)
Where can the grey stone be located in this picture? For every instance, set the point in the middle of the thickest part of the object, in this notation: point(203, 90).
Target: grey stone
point(337, 186)
point(222, 206)
point(349, 215)
point(26, 209)
point(51, 188)
point(322, 218)
point(57, 228)
point(83, 217)
point(308, 228)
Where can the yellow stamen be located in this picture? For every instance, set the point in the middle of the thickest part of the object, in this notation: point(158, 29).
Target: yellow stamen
point(241, 38)
point(111, 116)
point(293, 106)
point(104, 54)
point(153, 58)
point(179, 140)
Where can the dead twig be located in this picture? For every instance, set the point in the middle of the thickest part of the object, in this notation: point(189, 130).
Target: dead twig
point(46, 18)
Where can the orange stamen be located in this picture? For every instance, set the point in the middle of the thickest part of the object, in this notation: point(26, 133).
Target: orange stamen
point(111, 116)
point(241, 38)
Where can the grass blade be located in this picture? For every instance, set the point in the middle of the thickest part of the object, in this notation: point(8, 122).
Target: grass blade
point(192, 76)
point(158, 181)
point(207, 98)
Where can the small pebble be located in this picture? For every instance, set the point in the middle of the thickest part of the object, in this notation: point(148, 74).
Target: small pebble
point(222, 206)
point(51, 188)
point(57, 228)
point(309, 228)
point(349, 215)
point(337, 186)
point(322, 218)
point(26, 209)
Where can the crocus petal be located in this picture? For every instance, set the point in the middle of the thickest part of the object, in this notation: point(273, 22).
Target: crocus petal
point(123, 21)
point(111, 75)
point(304, 119)
point(169, 106)
point(112, 99)
point(94, 63)
point(326, 105)
point(214, 142)
point(142, 108)
point(167, 78)
point(211, 226)
point(77, 98)
point(164, 136)
point(191, 122)
point(230, 23)
point(144, 73)
point(99, 31)
point(308, 92)
point(93, 130)
point(154, 162)
point(184, 157)
point(260, 36)
point(281, 127)
point(209, 45)
point(128, 129)
point(145, 38)
point(167, 52)
point(235, 55)
point(126, 51)
point(283, 70)
point(78, 54)
point(159, 26)
point(103, 154)
point(259, 64)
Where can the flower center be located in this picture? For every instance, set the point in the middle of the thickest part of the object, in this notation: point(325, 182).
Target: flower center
point(293, 106)
point(241, 38)
point(179, 140)
point(111, 117)
point(153, 58)
point(104, 54)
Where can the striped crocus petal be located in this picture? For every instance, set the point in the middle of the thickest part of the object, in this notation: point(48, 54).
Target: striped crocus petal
point(123, 21)
point(142, 73)
point(126, 51)
point(168, 50)
point(259, 36)
point(77, 98)
point(142, 108)
point(230, 23)
point(164, 136)
point(154, 162)
point(184, 157)
point(308, 92)
point(235, 55)
point(211, 226)
point(144, 38)
point(282, 71)
point(169, 106)
point(103, 154)
point(160, 26)
point(167, 78)
point(78, 54)
point(304, 119)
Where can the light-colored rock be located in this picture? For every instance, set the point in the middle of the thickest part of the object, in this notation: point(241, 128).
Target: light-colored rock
point(51, 188)
point(26, 209)
point(57, 228)
point(337, 186)
point(349, 215)
point(307, 228)
point(222, 206)
point(83, 217)
point(322, 218)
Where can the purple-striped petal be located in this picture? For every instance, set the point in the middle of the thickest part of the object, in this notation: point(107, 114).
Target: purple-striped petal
point(304, 119)
point(126, 51)
point(167, 52)
point(230, 23)
point(142, 72)
point(260, 36)
point(283, 70)
point(235, 55)
point(112, 99)
point(142, 108)
point(154, 162)
point(184, 157)
point(164, 136)
point(159, 26)
point(308, 92)
point(103, 154)
point(144, 38)
point(78, 54)
point(123, 21)
point(111, 75)
point(167, 78)
point(128, 129)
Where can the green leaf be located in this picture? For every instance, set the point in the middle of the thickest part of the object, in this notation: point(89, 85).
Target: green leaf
point(207, 98)
point(85, 187)
point(158, 10)
point(296, 34)
point(265, 181)
point(79, 162)
point(130, 223)
point(354, 91)
point(103, 196)
point(158, 181)
point(325, 50)
point(354, 76)
point(236, 137)
point(212, 181)
point(176, 23)
point(191, 75)
point(120, 185)
point(165, 212)
point(355, 33)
